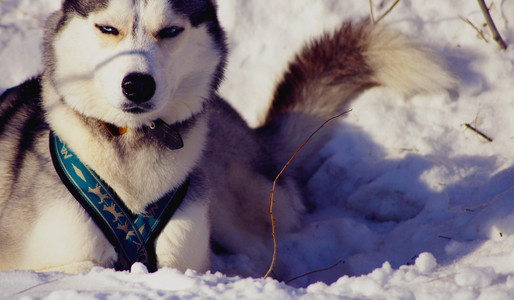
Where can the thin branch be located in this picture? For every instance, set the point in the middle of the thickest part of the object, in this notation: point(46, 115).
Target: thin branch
point(442, 277)
point(388, 11)
point(316, 271)
point(487, 15)
point(371, 11)
point(479, 31)
point(36, 286)
point(41, 21)
point(490, 140)
point(272, 194)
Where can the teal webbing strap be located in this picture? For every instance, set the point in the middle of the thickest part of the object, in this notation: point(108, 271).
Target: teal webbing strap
point(132, 236)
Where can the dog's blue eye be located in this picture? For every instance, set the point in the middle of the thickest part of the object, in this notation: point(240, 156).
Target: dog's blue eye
point(108, 30)
point(170, 32)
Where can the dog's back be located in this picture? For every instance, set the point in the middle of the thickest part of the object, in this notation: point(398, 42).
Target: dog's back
point(320, 83)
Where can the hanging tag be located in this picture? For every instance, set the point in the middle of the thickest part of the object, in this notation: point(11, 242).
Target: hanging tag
point(167, 135)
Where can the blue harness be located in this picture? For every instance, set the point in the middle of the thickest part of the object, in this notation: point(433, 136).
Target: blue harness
point(131, 235)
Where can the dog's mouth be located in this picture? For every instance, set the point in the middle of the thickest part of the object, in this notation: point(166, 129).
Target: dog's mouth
point(136, 109)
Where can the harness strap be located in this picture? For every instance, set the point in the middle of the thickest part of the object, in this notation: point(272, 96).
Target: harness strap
point(131, 235)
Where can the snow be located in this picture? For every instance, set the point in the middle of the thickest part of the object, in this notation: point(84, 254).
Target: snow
point(407, 203)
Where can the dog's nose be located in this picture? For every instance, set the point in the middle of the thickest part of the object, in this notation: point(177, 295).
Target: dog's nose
point(138, 87)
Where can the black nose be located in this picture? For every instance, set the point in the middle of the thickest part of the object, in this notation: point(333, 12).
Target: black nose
point(138, 87)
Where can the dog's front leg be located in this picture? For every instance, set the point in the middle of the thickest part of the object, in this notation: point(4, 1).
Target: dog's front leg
point(184, 242)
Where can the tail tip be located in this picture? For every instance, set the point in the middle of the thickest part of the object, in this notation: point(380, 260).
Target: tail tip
point(405, 65)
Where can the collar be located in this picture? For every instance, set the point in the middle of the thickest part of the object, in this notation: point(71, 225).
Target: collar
point(131, 235)
point(166, 134)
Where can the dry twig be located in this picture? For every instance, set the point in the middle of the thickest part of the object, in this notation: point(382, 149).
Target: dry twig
point(371, 11)
point(479, 31)
point(36, 286)
point(496, 35)
point(316, 271)
point(442, 277)
point(272, 194)
point(480, 133)
point(474, 128)
point(385, 14)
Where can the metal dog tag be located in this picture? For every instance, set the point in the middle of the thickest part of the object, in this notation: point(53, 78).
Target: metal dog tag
point(167, 135)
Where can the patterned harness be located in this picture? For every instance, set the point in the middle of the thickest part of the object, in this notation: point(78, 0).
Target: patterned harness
point(131, 235)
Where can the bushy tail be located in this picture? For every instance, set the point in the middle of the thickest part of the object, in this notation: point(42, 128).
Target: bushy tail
point(328, 73)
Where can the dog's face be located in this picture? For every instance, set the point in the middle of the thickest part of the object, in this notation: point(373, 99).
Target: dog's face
point(129, 62)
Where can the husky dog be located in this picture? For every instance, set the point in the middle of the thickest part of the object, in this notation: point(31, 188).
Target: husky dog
point(148, 70)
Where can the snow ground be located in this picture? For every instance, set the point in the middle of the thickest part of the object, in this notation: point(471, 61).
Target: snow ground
point(409, 201)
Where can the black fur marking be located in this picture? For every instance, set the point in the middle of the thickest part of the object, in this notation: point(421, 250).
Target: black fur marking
point(32, 127)
point(29, 99)
point(204, 12)
point(198, 12)
point(84, 7)
point(59, 19)
point(12, 100)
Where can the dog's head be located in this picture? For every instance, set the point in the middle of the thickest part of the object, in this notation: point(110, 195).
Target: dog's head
point(129, 62)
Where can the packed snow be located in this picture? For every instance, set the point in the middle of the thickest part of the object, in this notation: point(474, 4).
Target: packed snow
point(409, 200)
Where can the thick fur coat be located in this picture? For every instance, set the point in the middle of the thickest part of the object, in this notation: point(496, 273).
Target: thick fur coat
point(129, 63)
